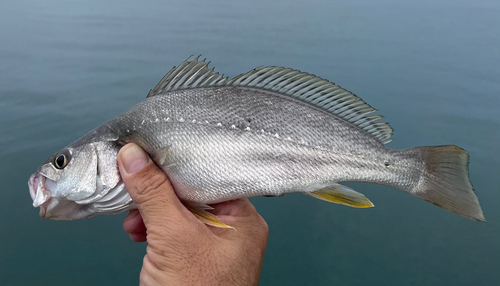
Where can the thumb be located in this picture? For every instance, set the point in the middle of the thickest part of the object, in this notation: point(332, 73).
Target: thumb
point(149, 187)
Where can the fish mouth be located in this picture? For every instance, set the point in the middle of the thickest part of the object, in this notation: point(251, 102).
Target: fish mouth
point(39, 193)
point(53, 206)
point(45, 195)
point(42, 197)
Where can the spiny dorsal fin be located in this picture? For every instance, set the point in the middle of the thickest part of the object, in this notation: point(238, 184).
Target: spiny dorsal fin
point(189, 74)
point(301, 86)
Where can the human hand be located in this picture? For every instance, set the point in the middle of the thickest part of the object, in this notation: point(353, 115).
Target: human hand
point(181, 249)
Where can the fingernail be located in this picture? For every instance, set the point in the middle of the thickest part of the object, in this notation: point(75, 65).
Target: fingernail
point(134, 159)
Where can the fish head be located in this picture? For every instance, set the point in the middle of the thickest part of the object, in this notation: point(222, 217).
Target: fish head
point(73, 183)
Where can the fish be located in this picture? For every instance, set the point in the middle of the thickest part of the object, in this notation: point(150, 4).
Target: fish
point(268, 132)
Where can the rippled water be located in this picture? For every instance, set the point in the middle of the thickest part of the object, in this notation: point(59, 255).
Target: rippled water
point(431, 67)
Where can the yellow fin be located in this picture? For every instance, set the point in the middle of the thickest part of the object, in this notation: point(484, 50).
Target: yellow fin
point(343, 195)
point(206, 217)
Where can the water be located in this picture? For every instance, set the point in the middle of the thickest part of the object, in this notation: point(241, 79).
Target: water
point(431, 68)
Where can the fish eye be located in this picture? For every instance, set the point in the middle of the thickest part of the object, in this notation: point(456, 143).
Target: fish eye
point(61, 160)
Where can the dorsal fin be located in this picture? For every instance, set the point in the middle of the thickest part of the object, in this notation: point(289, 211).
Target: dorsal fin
point(319, 93)
point(301, 86)
point(189, 74)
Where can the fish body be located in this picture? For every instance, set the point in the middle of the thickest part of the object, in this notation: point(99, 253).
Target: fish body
point(268, 132)
point(227, 143)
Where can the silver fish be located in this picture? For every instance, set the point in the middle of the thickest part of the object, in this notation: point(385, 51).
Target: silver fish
point(269, 132)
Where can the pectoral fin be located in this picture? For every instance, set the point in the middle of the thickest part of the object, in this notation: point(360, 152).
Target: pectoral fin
point(343, 195)
point(205, 216)
point(160, 156)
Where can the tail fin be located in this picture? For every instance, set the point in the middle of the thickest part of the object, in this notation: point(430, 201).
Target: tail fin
point(446, 183)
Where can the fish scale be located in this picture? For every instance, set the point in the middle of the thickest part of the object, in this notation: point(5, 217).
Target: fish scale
point(268, 114)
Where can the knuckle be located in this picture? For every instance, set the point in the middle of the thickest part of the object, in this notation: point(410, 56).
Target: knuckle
point(149, 183)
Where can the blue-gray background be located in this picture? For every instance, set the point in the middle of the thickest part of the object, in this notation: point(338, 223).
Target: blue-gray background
point(431, 67)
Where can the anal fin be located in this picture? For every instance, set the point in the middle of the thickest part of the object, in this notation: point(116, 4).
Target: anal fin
point(343, 195)
point(206, 217)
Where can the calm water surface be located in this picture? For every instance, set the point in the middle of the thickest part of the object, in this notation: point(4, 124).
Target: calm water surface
point(430, 67)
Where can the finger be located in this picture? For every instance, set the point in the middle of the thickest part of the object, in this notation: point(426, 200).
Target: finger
point(239, 207)
point(149, 187)
point(138, 237)
point(133, 223)
point(242, 215)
